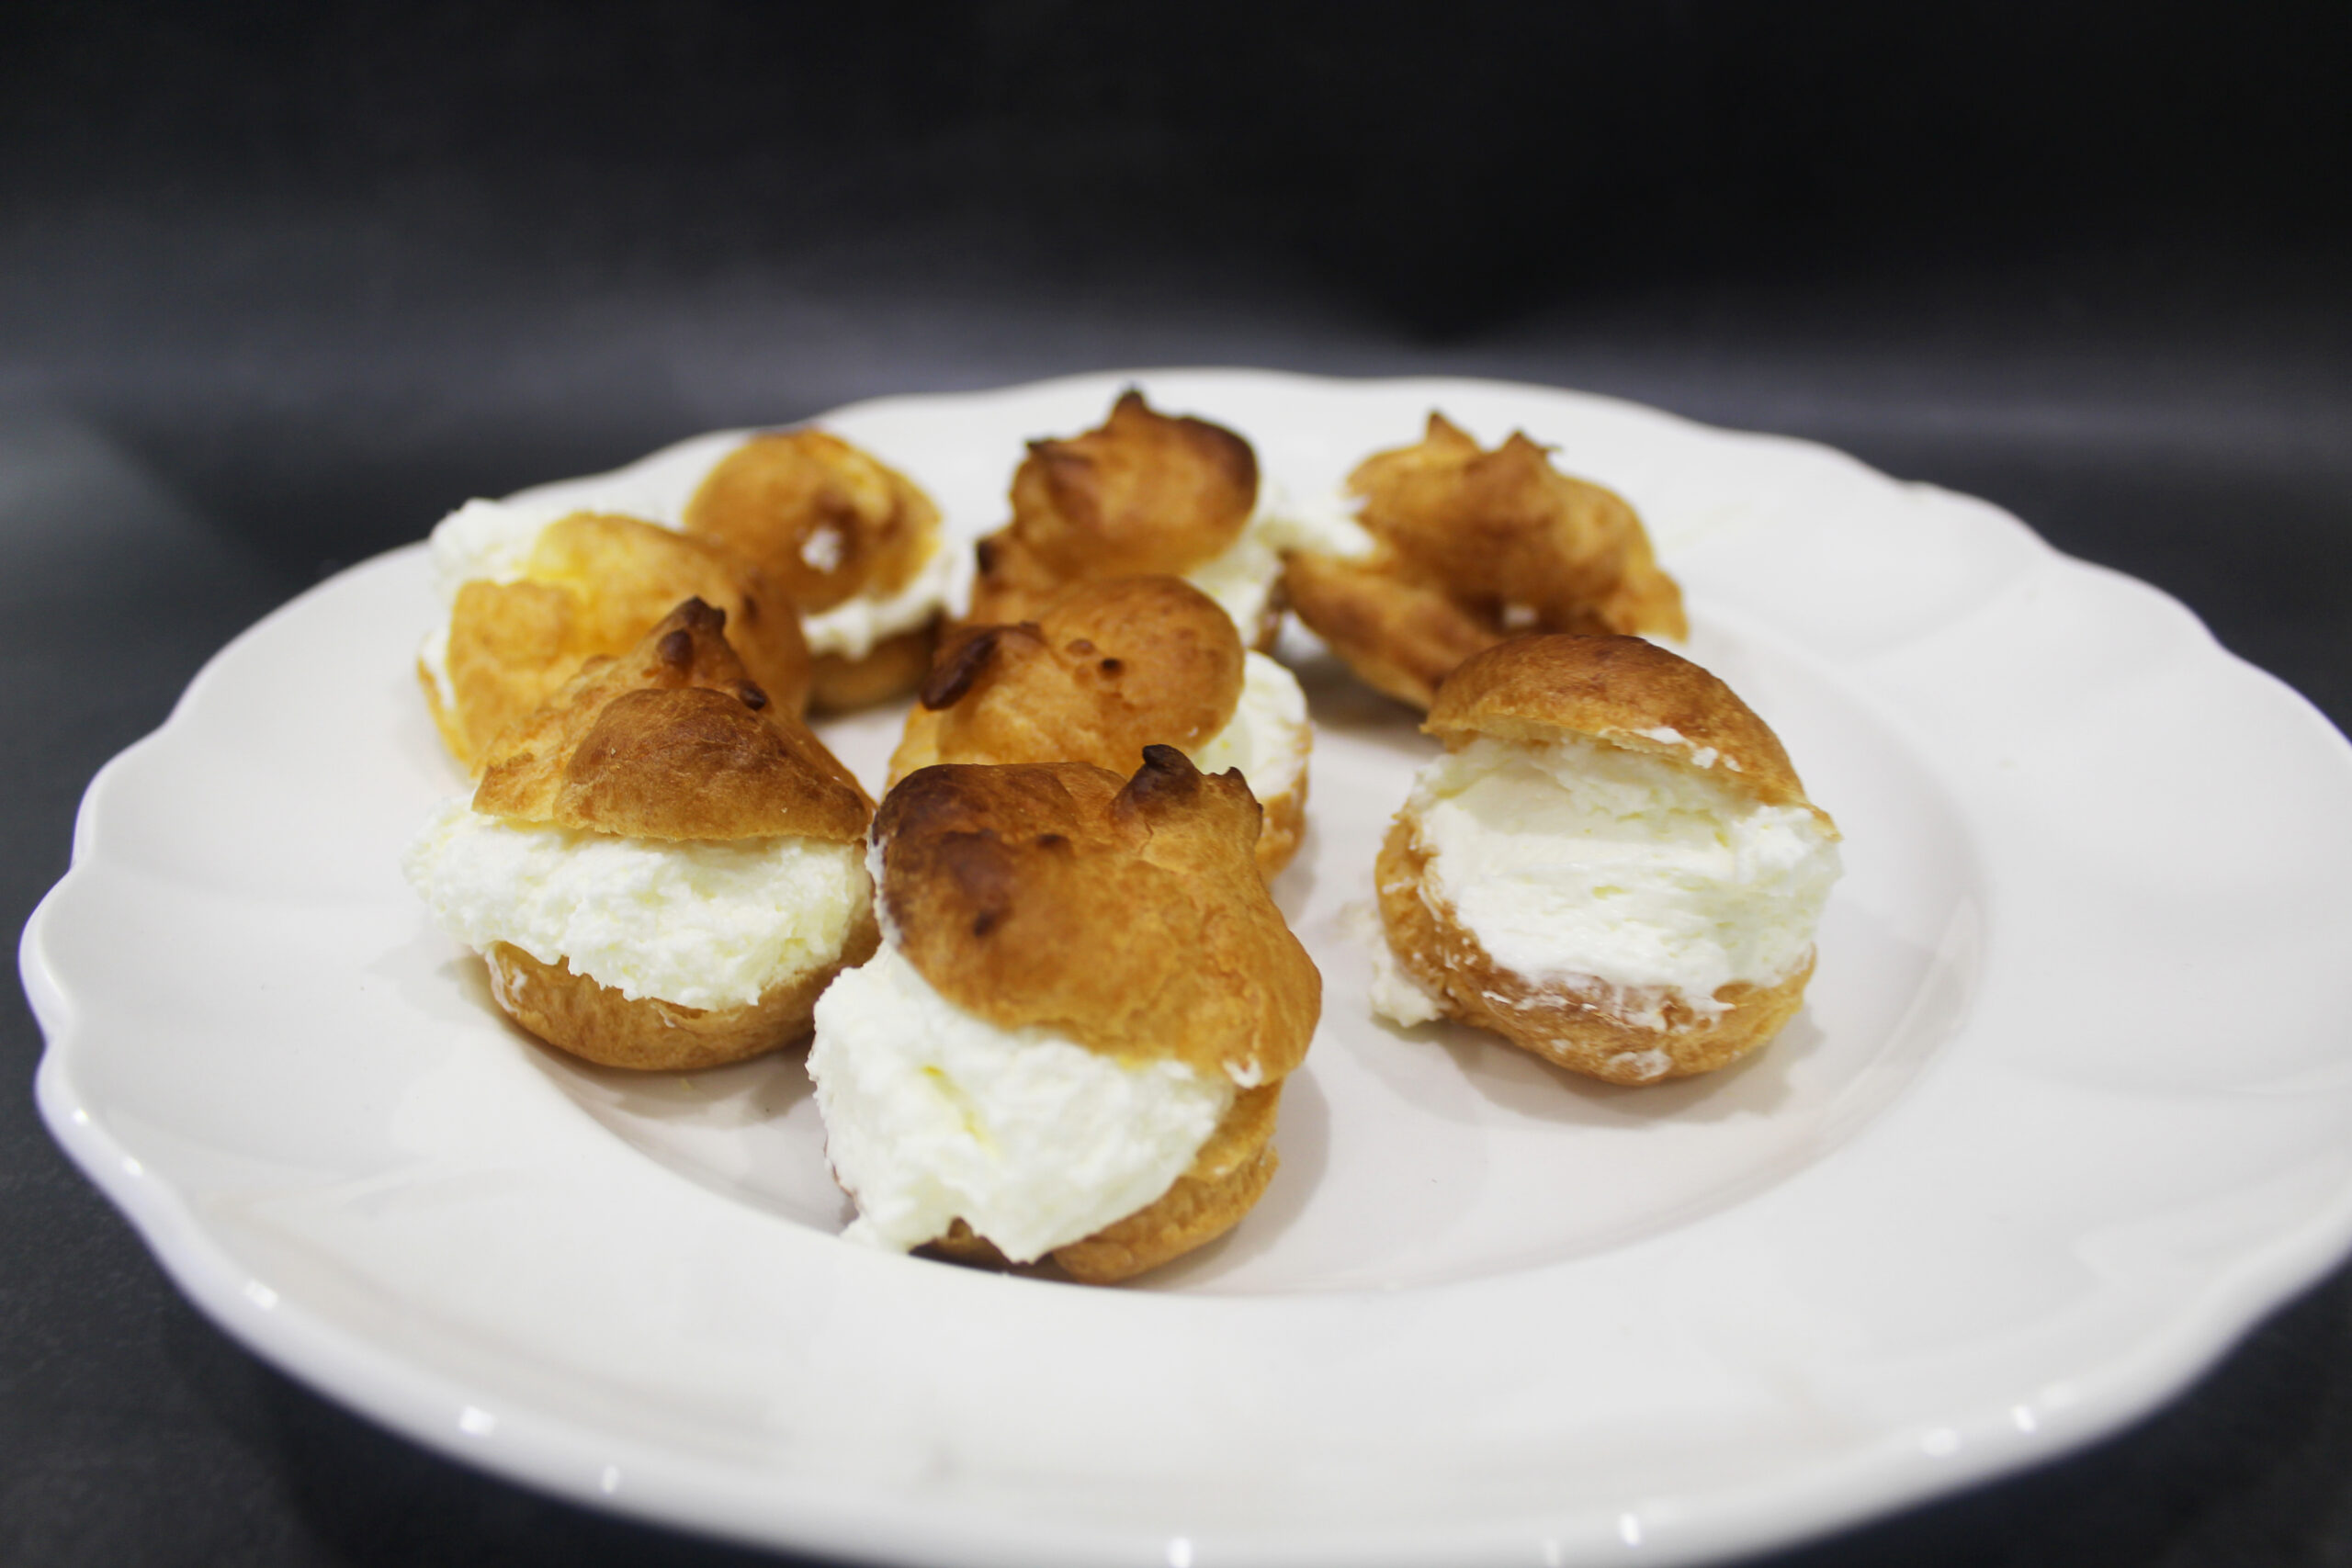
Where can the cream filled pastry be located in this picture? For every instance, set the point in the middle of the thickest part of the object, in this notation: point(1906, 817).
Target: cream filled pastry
point(853, 542)
point(1613, 865)
point(1461, 548)
point(1073, 1040)
point(1110, 667)
point(531, 591)
point(660, 869)
point(1142, 494)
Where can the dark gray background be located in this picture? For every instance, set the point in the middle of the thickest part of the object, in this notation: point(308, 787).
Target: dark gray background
point(278, 287)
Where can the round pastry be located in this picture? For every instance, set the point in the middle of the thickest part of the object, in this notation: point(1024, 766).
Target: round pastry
point(661, 868)
point(1465, 547)
point(852, 542)
point(1142, 494)
point(1072, 1041)
point(1613, 865)
point(1114, 666)
point(531, 596)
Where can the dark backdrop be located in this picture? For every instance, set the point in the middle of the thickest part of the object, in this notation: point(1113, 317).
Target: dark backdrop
point(278, 286)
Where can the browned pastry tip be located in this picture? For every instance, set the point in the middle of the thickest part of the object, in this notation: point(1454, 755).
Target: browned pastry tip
point(825, 520)
point(592, 586)
point(1621, 690)
point(672, 739)
point(1142, 493)
point(597, 1024)
point(1112, 667)
point(1569, 1027)
point(1127, 915)
point(1471, 547)
point(1224, 1182)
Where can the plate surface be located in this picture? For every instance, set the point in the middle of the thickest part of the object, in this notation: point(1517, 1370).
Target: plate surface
point(2070, 1104)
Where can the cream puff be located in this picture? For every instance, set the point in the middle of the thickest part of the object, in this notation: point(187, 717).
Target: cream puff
point(1071, 1043)
point(852, 542)
point(1114, 666)
point(1144, 494)
point(1466, 547)
point(531, 592)
point(1614, 865)
point(662, 868)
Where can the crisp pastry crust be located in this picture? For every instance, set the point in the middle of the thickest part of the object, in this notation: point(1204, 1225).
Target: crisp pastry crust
point(671, 741)
point(1110, 667)
point(1631, 693)
point(1144, 494)
point(828, 523)
point(1471, 548)
point(1224, 1182)
point(1624, 690)
point(594, 584)
point(1126, 916)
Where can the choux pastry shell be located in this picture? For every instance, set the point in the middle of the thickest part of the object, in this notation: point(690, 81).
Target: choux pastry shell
point(1142, 494)
point(591, 585)
point(1471, 547)
point(851, 542)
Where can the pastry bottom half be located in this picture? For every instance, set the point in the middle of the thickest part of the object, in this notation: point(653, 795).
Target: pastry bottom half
point(1224, 1181)
point(1559, 1024)
point(1282, 828)
point(891, 668)
point(596, 1023)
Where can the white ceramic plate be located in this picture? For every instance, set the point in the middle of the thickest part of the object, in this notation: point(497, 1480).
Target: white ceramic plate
point(2069, 1106)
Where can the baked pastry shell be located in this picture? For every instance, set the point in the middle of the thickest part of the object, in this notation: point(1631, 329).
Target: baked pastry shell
point(1279, 830)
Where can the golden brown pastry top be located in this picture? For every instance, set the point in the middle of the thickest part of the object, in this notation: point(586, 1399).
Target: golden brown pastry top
point(1143, 494)
point(1125, 914)
point(1473, 546)
point(1620, 690)
point(1506, 525)
point(592, 583)
point(1112, 667)
point(824, 520)
point(672, 740)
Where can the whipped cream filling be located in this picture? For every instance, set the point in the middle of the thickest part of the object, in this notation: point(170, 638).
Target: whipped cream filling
point(700, 924)
point(1621, 876)
point(934, 1114)
point(852, 628)
point(1242, 578)
point(1268, 737)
